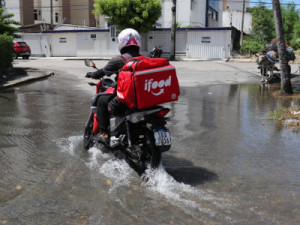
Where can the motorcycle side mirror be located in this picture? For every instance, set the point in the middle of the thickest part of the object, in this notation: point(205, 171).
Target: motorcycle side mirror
point(89, 63)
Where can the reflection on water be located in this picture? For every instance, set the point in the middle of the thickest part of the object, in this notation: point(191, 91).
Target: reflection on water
point(227, 165)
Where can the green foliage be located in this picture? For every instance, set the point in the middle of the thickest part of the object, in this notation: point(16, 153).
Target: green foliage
point(251, 46)
point(263, 27)
point(290, 17)
point(6, 50)
point(295, 42)
point(136, 14)
point(6, 24)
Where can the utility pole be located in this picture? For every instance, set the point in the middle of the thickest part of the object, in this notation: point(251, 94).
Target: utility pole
point(242, 27)
point(173, 31)
point(51, 12)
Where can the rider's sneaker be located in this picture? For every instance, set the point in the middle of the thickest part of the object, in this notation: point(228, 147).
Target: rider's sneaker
point(102, 138)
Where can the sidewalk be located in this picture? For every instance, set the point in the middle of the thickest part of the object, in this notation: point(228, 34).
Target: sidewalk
point(22, 75)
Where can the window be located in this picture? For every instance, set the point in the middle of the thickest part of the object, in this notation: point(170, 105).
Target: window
point(56, 17)
point(212, 13)
point(62, 40)
point(205, 40)
point(35, 14)
point(113, 31)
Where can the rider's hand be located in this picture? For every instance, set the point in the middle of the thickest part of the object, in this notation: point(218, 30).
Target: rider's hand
point(90, 75)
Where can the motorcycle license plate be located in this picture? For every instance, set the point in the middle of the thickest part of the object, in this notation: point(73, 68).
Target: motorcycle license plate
point(162, 137)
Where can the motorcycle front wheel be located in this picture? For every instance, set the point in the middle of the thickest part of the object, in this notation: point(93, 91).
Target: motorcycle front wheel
point(88, 134)
point(150, 154)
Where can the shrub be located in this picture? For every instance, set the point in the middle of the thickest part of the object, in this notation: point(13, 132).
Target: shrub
point(6, 51)
point(252, 46)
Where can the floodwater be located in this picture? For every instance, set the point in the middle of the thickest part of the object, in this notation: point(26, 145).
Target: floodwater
point(228, 163)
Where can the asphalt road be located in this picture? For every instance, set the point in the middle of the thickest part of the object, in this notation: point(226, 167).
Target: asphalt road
point(220, 170)
point(190, 73)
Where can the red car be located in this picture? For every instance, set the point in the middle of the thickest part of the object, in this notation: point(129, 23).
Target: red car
point(21, 49)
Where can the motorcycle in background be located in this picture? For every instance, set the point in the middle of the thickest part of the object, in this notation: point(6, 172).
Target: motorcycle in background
point(156, 52)
point(267, 61)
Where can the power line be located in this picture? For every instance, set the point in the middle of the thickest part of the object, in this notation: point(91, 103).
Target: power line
point(87, 6)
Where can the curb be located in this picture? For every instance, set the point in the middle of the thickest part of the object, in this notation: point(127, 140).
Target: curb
point(32, 76)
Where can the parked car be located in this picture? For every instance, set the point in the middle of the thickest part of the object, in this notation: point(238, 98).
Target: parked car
point(21, 49)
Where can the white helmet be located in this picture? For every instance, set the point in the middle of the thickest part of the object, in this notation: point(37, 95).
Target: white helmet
point(128, 37)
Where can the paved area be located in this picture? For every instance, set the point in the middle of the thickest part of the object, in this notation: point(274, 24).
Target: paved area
point(191, 72)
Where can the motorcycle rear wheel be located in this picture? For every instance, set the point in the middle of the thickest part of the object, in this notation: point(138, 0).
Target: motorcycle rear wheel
point(150, 154)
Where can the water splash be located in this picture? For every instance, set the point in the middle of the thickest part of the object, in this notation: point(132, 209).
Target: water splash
point(68, 145)
point(179, 194)
point(189, 199)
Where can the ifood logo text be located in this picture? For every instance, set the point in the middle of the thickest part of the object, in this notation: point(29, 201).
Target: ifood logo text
point(152, 86)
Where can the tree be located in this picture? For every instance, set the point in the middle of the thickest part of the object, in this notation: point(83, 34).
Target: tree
point(262, 23)
point(6, 24)
point(136, 14)
point(290, 17)
point(295, 42)
point(286, 85)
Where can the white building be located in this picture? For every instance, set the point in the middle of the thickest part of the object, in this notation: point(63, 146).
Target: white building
point(235, 5)
point(12, 6)
point(192, 13)
point(232, 15)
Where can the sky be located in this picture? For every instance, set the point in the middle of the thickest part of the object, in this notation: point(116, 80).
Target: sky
point(254, 2)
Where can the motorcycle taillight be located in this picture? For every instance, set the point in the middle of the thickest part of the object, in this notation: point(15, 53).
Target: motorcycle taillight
point(162, 113)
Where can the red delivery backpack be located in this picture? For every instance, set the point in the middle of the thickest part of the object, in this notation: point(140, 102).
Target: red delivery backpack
point(145, 82)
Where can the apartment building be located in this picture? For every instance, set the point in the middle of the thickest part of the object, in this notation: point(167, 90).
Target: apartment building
point(76, 12)
point(189, 13)
point(192, 13)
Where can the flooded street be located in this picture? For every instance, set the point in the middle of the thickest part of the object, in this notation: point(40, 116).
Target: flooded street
point(228, 163)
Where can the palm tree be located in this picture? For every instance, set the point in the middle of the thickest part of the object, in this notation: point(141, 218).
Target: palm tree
point(6, 24)
point(286, 85)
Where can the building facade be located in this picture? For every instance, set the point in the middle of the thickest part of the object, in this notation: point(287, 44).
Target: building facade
point(192, 13)
point(12, 6)
point(189, 13)
point(76, 12)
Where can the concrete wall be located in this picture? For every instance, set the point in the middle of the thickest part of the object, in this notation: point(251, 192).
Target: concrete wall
point(190, 43)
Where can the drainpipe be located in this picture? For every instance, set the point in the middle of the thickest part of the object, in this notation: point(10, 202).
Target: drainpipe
point(51, 16)
point(242, 27)
point(173, 31)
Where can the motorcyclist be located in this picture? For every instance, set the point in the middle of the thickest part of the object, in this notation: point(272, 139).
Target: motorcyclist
point(129, 44)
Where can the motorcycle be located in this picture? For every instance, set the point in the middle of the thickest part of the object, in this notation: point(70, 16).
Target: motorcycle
point(267, 61)
point(138, 135)
point(156, 52)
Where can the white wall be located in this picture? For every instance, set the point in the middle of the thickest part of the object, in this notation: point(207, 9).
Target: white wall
point(234, 18)
point(198, 15)
point(188, 12)
point(190, 43)
point(39, 44)
point(208, 44)
point(237, 4)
